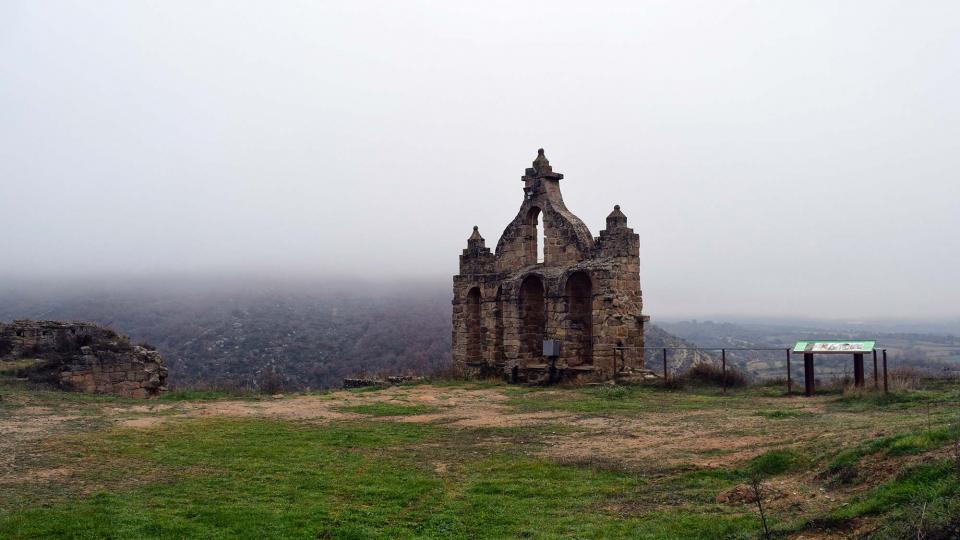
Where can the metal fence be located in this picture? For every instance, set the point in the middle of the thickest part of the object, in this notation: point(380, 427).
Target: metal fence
point(774, 359)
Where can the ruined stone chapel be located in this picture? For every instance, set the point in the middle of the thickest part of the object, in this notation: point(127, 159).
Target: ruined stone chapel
point(549, 279)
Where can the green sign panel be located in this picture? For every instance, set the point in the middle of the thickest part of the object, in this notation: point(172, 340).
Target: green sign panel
point(834, 347)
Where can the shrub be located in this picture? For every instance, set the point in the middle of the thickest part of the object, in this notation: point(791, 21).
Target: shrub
point(904, 378)
point(612, 392)
point(676, 382)
point(706, 373)
point(773, 462)
point(843, 469)
point(270, 380)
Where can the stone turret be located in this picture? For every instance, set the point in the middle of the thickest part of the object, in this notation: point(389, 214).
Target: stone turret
point(616, 218)
point(477, 258)
point(618, 240)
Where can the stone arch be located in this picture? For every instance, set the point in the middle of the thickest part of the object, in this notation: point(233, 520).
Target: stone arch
point(534, 236)
point(533, 318)
point(578, 293)
point(473, 325)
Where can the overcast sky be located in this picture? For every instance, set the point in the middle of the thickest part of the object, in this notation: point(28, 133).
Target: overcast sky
point(775, 157)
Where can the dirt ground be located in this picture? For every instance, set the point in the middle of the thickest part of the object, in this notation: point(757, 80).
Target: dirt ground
point(645, 440)
point(710, 437)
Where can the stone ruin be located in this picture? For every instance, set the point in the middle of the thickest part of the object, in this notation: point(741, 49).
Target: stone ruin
point(84, 357)
point(551, 281)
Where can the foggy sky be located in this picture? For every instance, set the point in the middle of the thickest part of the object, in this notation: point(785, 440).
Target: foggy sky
point(775, 157)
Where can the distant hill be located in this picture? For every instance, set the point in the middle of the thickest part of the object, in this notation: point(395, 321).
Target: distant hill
point(296, 335)
point(290, 336)
point(932, 351)
point(284, 337)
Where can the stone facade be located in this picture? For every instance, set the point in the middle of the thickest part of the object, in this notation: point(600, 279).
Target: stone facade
point(580, 290)
point(84, 357)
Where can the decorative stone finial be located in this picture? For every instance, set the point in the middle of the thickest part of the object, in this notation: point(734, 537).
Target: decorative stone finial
point(476, 234)
point(616, 218)
point(541, 167)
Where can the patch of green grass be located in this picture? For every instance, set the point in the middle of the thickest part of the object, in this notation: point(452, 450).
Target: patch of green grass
point(383, 408)
point(911, 443)
point(783, 413)
point(871, 400)
point(481, 384)
point(610, 392)
point(775, 462)
point(365, 389)
point(243, 478)
point(926, 482)
point(45, 396)
point(205, 395)
point(606, 399)
point(844, 467)
point(916, 443)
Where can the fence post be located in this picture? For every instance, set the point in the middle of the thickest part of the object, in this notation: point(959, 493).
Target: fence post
point(665, 365)
point(789, 381)
point(886, 389)
point(723, 360)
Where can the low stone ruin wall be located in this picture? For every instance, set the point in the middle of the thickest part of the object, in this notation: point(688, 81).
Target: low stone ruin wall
point(84, 357)
point(138, 372)
point(362, 382)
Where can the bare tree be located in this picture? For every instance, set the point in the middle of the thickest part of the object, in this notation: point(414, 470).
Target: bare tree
point(756, 486)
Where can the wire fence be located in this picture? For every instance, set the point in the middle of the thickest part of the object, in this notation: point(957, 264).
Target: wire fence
point(768, 364)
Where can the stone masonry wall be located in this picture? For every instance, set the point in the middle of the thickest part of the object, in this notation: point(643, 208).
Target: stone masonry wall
point(84, 357)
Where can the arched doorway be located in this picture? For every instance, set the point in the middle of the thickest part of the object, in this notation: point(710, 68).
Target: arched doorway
point(533, 318)
point(579, 294)
point(473, 325)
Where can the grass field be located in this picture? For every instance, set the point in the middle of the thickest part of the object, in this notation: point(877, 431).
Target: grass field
point(479, 461)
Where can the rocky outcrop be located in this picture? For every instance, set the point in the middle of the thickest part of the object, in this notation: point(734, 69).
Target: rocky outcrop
point(84, 357)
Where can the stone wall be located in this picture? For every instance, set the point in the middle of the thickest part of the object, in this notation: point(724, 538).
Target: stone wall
point(585, 293)
point(84, 357)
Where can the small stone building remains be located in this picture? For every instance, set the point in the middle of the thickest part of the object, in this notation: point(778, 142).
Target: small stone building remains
point(579, 289)
point(84, 357)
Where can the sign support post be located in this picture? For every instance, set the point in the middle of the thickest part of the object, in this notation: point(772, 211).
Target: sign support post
point(858, 370)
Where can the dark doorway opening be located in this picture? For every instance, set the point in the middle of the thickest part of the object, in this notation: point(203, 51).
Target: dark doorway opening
point(533, 319)
point(473, 325)
point(579, 293)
